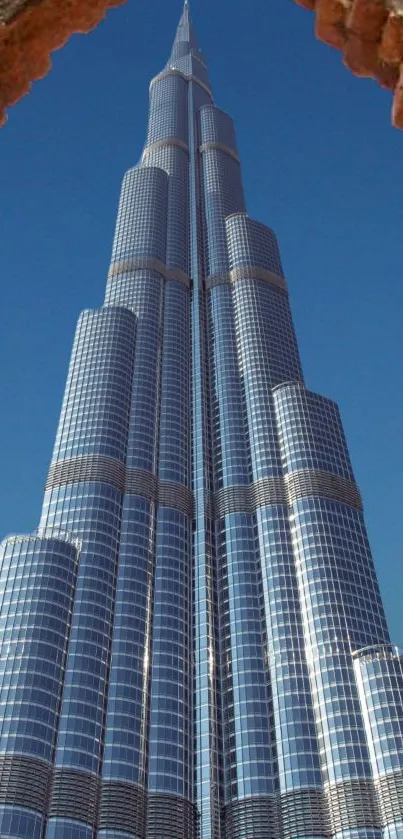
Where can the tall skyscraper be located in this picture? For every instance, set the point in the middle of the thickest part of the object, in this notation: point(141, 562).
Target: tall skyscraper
point(193, 642)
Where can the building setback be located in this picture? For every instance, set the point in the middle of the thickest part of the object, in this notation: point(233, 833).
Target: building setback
point(193, 643)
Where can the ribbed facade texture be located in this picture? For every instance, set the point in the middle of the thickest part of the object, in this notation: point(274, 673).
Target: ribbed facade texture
point(193, 643)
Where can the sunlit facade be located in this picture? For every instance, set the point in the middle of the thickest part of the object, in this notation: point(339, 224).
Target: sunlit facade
point(193, 643)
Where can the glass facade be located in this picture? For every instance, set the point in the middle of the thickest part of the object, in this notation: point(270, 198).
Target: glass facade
point(193, 643)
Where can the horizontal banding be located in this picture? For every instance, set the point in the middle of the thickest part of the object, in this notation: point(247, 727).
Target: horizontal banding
point(219, 147)
point(123, 266)
point(102, 469)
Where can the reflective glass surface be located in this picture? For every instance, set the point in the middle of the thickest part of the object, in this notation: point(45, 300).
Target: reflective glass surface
point(193, 644)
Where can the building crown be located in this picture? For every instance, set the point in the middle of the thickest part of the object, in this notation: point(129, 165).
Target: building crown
point(185, 42)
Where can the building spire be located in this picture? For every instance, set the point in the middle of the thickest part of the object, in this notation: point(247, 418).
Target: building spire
point(185, 39)
point(186, 11)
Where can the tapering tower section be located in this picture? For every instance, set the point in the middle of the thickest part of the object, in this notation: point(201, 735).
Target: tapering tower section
point(193, 644)
point(185, 43)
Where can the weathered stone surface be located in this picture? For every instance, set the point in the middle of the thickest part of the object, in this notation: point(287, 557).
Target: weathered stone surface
point(369, 33)
point(330, 17)
point(391, 46)
point(10, 8)
point(398, 102)
point(30, 30)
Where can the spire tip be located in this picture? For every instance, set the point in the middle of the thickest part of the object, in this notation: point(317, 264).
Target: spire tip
point(185, 40)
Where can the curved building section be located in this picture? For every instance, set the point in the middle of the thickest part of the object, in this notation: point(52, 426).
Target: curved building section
point(84, 495)
point(252, 245)
point(160, 404)
point(339, 597)
point(174, 456)
point(95, 418)
point(168, 110)
point(212, 660)
point(248, 758)
point(222, 186)
point(171, 699)
point(171, 696)
point(174, 160)
point(139, 246)
point(139, 285)
point(263, 315)
point(312, 440)
point(262, 319)
point(379, 674)
point(37, 582)
point(301, 800)
point(264, 331)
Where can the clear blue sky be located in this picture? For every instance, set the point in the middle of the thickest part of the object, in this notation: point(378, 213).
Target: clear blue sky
point(321, 165)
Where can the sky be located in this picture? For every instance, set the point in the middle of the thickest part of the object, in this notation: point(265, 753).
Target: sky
point(321, 165)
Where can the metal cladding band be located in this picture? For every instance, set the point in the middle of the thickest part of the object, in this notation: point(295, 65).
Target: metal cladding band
point(352, 805)
point(390, 794)
point(160, 144)
point(140, 482)
point(165, 493)
point(219, 147)
point(74, 795)
point(24, 782)
point(52, 534)
point(217, 279)
point(101, 469)
point(173, 72)
point(123, 266)
point(169, 815)
point(254, 817)
point(123, 808)
point(278, 490)
point(97, 468)
point(248, 498)
point(315, 482)
point(238, 274)
point(304, 813)
point(177, 496)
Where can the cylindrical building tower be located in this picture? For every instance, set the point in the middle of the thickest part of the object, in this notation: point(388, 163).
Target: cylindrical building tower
point(205, 656)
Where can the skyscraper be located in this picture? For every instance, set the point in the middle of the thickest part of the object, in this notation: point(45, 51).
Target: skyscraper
point(193, 643)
